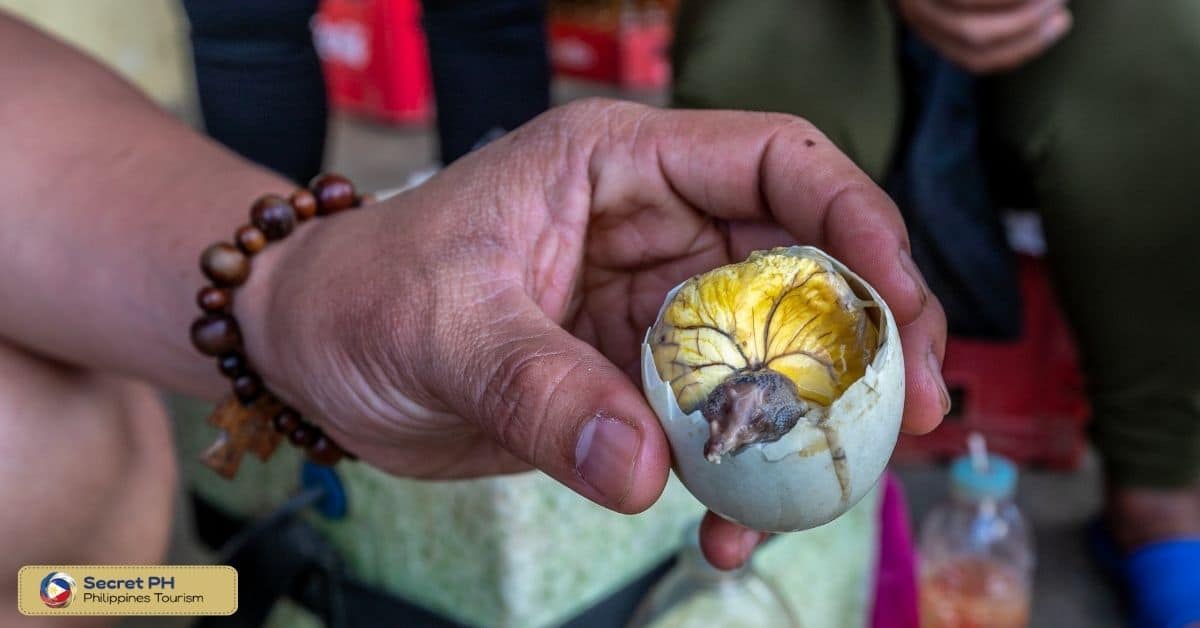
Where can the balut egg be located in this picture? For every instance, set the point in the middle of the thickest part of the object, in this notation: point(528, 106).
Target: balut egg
point(780, 384)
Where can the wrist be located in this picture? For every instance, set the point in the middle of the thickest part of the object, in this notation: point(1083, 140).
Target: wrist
point(265, 331)
point(254, 418)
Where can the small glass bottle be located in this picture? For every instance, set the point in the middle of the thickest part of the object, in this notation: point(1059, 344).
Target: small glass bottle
point(694, 593)
point(976, 553)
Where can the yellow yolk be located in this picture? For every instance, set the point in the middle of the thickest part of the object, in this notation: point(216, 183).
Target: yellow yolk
point(790, 314)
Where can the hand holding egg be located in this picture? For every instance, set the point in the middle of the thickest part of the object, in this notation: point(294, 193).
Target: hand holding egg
point(511, 334)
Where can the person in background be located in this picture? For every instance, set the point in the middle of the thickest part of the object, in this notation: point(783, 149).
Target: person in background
point(451, 331)
point(262, 94)
point(490, 67)
point(1095, 104)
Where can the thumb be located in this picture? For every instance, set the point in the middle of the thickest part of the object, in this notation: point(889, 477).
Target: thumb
point(557, 403)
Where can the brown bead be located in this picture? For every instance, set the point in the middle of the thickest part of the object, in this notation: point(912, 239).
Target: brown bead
point(213, 299)
point(304, 203)
point(324, 451)
point(216, 334)
point(286, 420)
point(224, 264)
point(250, 239)
point(334, 193)
point(247, 387)
point(274, 216)
point(304, 435)
point(232, 364)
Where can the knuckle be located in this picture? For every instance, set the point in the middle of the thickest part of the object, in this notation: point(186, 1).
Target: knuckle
point(796, 128)
point(518, 398)
point(789, 135)
point(509, 401)
point(586, 111)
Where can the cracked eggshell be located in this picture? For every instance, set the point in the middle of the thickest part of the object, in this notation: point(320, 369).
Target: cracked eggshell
point(790, 484)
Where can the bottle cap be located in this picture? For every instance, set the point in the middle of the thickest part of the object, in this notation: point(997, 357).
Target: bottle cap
point(997, 479)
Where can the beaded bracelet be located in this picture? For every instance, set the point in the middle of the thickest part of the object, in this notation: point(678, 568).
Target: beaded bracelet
point(252, 419)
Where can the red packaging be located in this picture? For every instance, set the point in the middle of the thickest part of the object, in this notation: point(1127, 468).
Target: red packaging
point(630, 50)
point(1027, 397)
point(375, 60)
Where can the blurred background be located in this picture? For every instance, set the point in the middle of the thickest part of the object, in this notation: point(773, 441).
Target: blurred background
point(1025, 394)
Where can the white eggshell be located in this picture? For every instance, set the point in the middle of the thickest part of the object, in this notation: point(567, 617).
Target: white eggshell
point(791, 484)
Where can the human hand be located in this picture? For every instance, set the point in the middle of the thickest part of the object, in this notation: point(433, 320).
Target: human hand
point(490, 320)
point(985, 36)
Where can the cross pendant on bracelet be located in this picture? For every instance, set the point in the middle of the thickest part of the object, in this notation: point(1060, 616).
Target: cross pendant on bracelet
point(243, 429)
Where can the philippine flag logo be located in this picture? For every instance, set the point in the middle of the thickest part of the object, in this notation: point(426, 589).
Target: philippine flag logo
point(58, 589)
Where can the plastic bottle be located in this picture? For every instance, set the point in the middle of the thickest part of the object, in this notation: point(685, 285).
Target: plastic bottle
point(693, 593)
point(976, 553)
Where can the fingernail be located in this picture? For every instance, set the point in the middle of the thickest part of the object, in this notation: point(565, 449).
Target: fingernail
point(910, 269)
point(605, 456)
point(935, 369)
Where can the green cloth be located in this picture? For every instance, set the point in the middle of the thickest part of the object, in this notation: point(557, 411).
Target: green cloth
point(522, 550)
point(1104, 127)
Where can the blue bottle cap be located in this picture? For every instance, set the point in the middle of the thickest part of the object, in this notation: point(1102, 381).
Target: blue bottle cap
point(997, 481)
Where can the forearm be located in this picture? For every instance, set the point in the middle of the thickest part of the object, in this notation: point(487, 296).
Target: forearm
point(107, 203)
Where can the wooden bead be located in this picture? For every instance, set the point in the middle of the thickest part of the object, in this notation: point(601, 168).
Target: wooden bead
point(274, 216)
point(324, 451)
point(304, 203)
point(232, 365)
point(216, 334)
point(286, 421)
point(334, 193)
point(304, 435)
point(213, 299)
point(224, 264)
point(250, 239)
point(247, 387)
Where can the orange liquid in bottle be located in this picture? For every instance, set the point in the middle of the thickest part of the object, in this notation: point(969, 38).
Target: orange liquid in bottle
point(973, 593)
